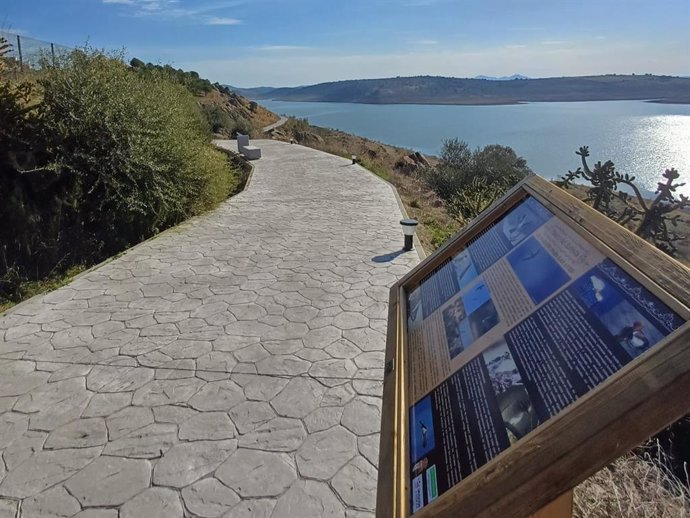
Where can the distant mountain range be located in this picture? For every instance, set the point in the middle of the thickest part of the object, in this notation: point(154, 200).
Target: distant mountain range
point(502, 78)
point(508, 90)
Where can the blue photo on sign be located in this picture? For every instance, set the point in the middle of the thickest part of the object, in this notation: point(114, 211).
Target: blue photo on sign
point(421, 430)
point(523, 220)
point(464, 269)
point(537, 270)
point(629, 327)
point(475, 298)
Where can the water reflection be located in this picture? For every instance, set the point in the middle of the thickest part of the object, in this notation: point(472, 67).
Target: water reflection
point(656, 144)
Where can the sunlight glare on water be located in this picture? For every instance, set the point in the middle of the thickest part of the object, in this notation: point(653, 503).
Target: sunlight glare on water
point(669, 135)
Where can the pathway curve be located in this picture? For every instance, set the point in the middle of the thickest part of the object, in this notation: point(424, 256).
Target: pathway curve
point(231, 367)
point(278, 124)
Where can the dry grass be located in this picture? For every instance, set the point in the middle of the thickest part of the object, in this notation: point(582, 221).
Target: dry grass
point(634, 486)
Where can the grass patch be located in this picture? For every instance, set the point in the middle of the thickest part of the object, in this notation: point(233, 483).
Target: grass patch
point(30, 289)
point(437, 233)
point(378, 169)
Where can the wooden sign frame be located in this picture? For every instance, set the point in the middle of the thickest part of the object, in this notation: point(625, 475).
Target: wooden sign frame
point(644, 396)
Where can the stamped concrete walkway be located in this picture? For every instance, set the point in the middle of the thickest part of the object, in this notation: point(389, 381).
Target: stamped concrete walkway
point(231, 367)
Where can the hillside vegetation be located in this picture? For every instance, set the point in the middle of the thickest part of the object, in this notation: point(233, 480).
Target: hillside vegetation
point(227, 112)
point(450, 90)
point(96, 156)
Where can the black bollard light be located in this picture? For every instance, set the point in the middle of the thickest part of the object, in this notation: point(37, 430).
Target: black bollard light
point(409, 227)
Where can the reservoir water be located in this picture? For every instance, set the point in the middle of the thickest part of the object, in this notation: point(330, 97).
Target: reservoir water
point(642, 139)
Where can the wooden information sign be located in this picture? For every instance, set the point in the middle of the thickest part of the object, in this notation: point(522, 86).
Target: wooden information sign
point(539, 344)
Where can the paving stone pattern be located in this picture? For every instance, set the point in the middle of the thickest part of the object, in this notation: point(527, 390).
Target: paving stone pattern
point(229, 368)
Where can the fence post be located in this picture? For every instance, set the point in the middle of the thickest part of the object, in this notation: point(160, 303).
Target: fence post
point(52, 52)
point(19, 49)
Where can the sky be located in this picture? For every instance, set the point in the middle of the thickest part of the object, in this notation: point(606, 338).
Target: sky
point(296, 42)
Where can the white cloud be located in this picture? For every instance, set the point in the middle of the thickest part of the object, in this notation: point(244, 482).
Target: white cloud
point(172, 9)
point(425, 42)
point(553, 42)
point(216, 20)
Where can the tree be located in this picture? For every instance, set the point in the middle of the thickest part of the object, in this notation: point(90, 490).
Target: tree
point(469, 181)
point(653, 220)
point(454, 170)
point(497, 167)
point(500, 164)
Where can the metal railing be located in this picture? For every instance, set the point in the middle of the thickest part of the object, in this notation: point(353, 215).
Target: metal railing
point(27, 53)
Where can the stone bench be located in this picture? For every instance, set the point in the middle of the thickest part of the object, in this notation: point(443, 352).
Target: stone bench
point(243, 147)
point(251, 152)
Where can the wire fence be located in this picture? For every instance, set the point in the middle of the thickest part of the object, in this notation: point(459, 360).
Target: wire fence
point(23, 53)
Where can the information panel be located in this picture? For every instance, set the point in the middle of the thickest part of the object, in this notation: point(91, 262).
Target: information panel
point(508, 332)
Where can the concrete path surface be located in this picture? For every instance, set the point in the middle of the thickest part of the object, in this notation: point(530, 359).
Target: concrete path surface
point(230, 367)
point(275, 125)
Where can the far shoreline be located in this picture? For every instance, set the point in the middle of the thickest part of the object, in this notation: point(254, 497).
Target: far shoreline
point(488, 102)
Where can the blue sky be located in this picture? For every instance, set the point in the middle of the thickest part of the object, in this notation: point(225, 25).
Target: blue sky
point(293, 42)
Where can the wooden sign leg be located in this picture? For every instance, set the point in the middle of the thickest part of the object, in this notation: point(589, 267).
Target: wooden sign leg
point(562, 507)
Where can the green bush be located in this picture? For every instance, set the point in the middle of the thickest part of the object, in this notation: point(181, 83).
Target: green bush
point(469, 181)
point(189, 80)
point(475, 198)
point(106, 158)
point(294, 126)
point(497, 166)
point(224, 123)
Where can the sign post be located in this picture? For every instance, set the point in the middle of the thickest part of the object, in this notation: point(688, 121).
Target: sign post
point(536, 346)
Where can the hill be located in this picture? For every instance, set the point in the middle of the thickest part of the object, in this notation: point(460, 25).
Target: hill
point(450, 90)
point(226, 111)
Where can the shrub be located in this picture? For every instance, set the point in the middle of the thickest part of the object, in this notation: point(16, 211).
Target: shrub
point(134, 145)
point(475, 198)
point(294, 126)
point(470, 181)
point(218, 119)
point(224, 123)
point(453, 172)
point(107, 158)
point(189, 80)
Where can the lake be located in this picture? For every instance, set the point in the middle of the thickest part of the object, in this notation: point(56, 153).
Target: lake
point(642, 139)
